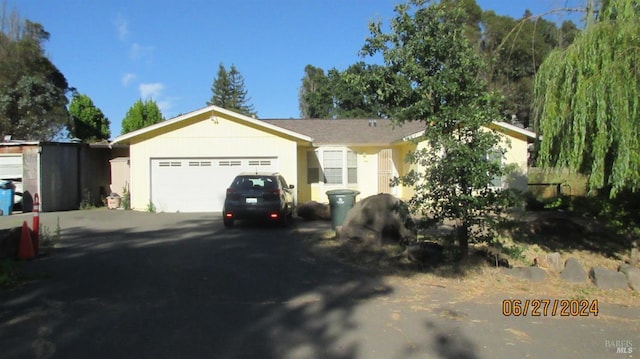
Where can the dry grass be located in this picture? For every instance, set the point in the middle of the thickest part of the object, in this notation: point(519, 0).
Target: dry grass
point(481, 282)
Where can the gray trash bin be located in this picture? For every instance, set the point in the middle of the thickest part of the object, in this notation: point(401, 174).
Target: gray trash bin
point(340, 202)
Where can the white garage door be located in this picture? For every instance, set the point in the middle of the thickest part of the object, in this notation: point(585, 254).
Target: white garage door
point(199, 184)
point(11, 167)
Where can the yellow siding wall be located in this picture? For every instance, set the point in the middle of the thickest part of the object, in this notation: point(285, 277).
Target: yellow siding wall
point(367, 171)
point(367, 185)
point(201, 137)
point(516, 154)
point(399, 158)
point(304, 189)
point(514, 143)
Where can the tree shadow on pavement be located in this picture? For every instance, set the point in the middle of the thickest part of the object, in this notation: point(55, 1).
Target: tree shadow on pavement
point(190, 288)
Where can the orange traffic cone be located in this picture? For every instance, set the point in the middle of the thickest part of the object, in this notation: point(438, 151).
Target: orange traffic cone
point(25, 251)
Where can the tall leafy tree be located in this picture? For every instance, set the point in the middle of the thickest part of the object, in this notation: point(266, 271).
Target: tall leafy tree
point(315, 97)
point(141, 114)
point(336, 94)
point(514, 49)
point(352, 98)
point(32, 90)
point(88, 123)
point(587, 101)
point(433, 75)
point(229, 91)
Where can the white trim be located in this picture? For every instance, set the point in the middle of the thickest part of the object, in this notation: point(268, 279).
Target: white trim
point(517, 129)
point(213, 110)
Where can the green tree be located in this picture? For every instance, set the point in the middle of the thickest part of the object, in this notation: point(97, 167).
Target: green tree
point(514, 49)
point(141, 114)
point(229, 91)
point(433, 75)
point(336, 94)
point(88, 123)
point(354, 99)
point(587, 101)
point(315, 97)
point(32, 90)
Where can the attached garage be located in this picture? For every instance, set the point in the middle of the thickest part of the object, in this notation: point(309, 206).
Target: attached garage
point(185, 164)
point(199, 184)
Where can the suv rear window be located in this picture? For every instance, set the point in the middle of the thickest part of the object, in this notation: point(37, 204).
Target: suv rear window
point(256, 182)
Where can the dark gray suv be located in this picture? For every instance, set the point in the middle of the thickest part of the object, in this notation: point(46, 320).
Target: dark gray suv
point(258, 196)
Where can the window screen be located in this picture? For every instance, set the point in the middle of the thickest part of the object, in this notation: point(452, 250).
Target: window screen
point(332, 161)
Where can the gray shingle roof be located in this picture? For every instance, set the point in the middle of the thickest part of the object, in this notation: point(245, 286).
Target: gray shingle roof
point(349, 131)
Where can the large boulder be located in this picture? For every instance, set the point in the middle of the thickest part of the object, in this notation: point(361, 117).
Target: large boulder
point(533, 274)
point(605, 278)
point(573, 271)
point(313, 210)
point(379, 218)
point(633, 275)
point(552, 262)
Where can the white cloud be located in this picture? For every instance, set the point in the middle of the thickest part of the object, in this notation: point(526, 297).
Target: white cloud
point(165, 106)
point(137, 51)
point(151, 90)
point(155, 91)
point(122, 25)
point(127, 78)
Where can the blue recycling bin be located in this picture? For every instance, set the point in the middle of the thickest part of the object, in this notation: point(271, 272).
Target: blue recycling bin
point(7, 191)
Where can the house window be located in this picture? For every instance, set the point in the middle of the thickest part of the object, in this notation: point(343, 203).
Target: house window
point(313, 167)
point(333, 166)
point(352, 167)
point(496, 181)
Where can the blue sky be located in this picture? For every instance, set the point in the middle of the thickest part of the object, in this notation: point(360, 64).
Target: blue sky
point(117, 52)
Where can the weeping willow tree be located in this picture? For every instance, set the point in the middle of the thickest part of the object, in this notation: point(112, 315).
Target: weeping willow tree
point(587, 101)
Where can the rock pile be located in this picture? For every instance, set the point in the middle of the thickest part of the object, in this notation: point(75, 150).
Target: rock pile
point(626, 275)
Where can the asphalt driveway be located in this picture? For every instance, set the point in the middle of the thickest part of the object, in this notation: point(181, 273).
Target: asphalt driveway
point(126, 284)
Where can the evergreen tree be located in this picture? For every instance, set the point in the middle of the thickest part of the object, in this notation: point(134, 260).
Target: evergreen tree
point(229, 92)
point(140, 115)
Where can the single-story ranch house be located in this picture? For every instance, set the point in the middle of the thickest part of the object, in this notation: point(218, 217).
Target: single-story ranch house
point(185, 164)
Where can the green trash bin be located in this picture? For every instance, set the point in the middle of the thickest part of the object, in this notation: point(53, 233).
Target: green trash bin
point(340, 202)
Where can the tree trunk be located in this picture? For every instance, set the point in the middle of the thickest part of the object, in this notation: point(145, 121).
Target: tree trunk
point(462, 234)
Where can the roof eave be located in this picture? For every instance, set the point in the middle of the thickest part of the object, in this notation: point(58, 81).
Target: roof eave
point(516, 129)
point(253, 121)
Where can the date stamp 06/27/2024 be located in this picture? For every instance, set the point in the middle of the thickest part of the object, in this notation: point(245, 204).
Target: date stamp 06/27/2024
point(561, 308)
point(550, 307)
